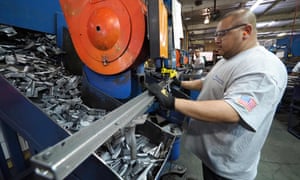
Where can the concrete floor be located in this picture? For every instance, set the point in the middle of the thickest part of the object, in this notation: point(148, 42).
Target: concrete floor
point(280, 158)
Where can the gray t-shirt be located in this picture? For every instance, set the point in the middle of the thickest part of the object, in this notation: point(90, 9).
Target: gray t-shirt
point(253, 83)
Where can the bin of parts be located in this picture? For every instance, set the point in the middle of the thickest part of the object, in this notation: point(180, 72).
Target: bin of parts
point(143, 159)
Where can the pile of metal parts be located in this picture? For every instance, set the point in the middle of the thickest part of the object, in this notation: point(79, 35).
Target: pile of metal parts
point(30, 61)
point(138, 165)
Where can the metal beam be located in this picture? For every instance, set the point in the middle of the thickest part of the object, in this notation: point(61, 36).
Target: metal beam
point(209, 4)
point(198, 26)
point(270, 7)
point(276, 30)
point(276, 17)
point(61, 159)
point(279, 29)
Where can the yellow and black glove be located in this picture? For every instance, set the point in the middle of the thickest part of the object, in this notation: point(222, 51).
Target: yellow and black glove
point(176, 82)
point(162, 95)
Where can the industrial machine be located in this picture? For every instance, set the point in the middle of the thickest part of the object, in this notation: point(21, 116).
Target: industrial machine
point(113, 39)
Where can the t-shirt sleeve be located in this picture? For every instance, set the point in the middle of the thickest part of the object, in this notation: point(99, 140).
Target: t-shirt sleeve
point(252, 96)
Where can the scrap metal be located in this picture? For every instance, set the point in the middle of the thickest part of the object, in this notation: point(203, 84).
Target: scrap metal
point(31, 64)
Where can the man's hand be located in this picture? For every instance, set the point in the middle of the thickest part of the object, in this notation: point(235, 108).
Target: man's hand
point(176, 82)
point(163, 97)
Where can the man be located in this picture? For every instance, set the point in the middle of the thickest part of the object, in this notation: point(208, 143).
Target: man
point(198, 62)
point(232, 116)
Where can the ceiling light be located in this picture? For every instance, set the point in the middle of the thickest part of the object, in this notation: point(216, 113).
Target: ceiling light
point(271, 23)
point(281, 34)
point(257, 3)
point(206, 20)
point(187, 18)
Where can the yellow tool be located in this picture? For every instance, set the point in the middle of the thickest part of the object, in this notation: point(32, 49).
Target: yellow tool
point(172, 72)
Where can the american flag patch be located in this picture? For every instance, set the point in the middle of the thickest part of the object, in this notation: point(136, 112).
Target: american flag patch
point(247, 102)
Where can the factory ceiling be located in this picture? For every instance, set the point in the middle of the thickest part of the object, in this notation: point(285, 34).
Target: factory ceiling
point(275, 18)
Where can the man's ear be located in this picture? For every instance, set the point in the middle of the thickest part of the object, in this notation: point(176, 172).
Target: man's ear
point(247, 31)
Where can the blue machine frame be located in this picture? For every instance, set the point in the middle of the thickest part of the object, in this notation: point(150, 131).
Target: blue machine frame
point(44, 16)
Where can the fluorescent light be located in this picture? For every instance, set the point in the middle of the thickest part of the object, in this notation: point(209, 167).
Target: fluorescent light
point(257, 3)
point(271, 23)
point(281, 34)
point(206, 20)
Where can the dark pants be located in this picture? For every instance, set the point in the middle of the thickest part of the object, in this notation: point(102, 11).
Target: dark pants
point(209, 175)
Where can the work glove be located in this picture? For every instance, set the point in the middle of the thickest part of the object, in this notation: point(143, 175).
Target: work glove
point(176, 82)
point(164, 98)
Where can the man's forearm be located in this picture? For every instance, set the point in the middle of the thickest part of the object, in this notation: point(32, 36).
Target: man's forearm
point(211, 111)
point(192, 85)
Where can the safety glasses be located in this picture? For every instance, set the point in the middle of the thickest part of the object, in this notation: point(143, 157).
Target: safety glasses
point(225, 31)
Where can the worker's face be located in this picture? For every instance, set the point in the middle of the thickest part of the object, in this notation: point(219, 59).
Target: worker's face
point(228, 38)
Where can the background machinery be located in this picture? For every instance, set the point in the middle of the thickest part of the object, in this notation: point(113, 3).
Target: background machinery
point(114, 41)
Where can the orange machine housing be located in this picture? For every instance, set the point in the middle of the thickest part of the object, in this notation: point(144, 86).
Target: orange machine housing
point(108, 35)
point(163, 30)
point(181, 58)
